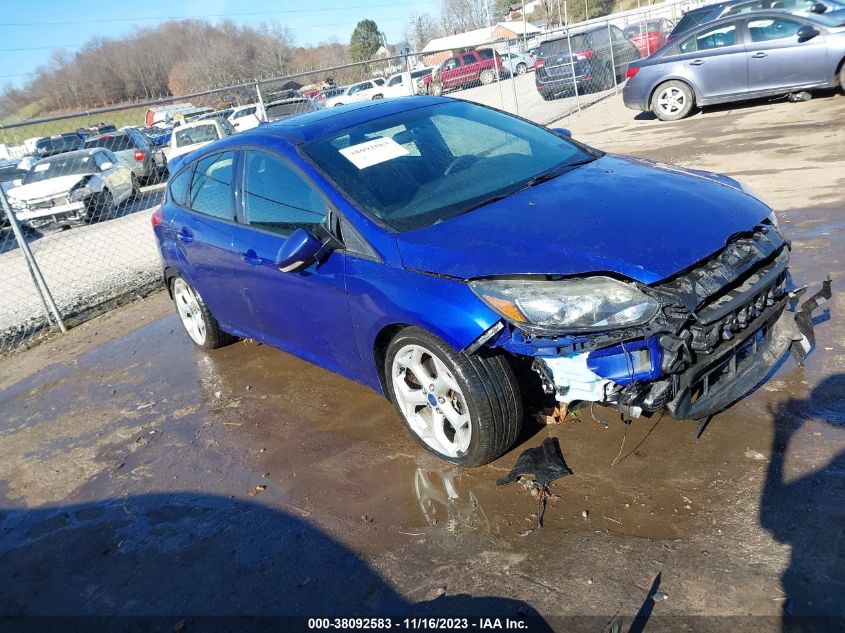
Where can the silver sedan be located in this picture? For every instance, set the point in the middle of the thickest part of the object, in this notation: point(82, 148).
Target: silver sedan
point(737, 58)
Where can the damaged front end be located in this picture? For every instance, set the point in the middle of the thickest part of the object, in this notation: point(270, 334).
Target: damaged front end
point(693, 344)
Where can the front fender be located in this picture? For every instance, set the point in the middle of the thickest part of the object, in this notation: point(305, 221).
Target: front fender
point(382, 296)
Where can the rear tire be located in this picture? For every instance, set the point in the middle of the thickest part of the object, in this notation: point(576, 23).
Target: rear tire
point(476, 413)
point(199, 323)
point(842, 77)
point(521, 69)
point(672, 101)
point(136, 188)
point(487, 77)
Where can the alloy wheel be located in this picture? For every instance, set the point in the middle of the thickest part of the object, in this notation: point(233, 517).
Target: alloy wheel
point(431, 400)
point(189, 311)
point(671, 100)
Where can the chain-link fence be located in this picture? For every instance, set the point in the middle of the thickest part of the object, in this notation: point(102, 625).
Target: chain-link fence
point(78, 189)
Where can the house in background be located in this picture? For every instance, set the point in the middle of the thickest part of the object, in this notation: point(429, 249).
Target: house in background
point(498, 36)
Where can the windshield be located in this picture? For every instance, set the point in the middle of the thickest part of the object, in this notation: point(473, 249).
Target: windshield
point(116, 143)
point(420, 167)
point(561, 46)
point(60, 166)
point(690, 19)
point(197, 134)
point(832, 19)
point(636, 29)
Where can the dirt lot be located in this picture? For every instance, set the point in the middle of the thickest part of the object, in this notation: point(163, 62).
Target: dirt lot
point(140, 476)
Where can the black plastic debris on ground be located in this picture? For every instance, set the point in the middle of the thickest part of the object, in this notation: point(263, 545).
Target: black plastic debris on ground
point(538, 467)
point(545, 463)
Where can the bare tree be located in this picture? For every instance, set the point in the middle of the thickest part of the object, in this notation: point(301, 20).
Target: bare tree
point(459, 16)
point(421, 29)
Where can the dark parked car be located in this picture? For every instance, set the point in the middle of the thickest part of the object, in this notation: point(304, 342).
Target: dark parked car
point(736, 58)
point(590, 57)
point(704, 15)
point(284, 108)
point(435, 250)
point(58, 144)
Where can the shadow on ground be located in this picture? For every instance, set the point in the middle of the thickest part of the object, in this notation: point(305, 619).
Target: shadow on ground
point(180, 556)
point(800, 512)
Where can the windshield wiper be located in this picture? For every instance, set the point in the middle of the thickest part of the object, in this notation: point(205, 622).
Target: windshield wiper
point(554, 173)
point(487, 201)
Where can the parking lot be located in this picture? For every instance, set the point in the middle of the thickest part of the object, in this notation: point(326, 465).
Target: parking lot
point(149, 477)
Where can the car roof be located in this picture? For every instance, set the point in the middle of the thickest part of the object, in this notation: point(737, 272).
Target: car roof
point(77, 152)
point(756, 15)
point(308, 126)
point(579, 31)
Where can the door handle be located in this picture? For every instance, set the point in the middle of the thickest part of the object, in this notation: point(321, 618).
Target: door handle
point(251, 258)
point(697, 62)
point(759, 55)
point(186, 236)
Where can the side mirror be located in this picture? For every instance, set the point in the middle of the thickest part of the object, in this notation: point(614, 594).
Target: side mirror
point(298, 251)
point(563, 132)
point(106, 165)
point(806, 32)
point(818, 7)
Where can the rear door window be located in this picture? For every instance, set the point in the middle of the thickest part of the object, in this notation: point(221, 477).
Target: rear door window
point(211, 186)
point(719, 36)
point(469, 59)
point(277, 198)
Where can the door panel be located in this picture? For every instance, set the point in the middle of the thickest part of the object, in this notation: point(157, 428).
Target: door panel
point(203, 239)
point(304, 312)
point(715, 61)
point(776, 59)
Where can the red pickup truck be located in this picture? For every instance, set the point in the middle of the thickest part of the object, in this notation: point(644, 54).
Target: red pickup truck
point(466, 69)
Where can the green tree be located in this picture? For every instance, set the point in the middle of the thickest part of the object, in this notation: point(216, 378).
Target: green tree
point(365, 41)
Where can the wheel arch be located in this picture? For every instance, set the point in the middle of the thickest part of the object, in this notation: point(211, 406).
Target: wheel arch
point(838, 73)
point(380, 345)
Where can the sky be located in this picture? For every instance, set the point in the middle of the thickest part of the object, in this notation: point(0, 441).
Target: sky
point(31, 29)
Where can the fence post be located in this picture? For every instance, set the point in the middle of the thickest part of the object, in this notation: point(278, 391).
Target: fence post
point(260, 100)
point(35, 272)
point(612, 57)
point(572, 65)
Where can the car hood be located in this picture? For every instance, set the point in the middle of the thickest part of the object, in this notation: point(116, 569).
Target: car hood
point(633, 217)
point(45, 188)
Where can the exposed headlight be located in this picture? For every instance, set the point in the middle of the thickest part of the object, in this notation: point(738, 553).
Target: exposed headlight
point(80, 193)
point(592, 303)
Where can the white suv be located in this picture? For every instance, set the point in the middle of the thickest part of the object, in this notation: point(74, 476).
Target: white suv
point(362, 91)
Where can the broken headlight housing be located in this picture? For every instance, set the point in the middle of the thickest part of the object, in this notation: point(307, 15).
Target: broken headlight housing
point(81, 193)
point(567, 305)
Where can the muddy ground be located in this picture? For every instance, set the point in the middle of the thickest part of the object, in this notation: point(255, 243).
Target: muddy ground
point(139, 476)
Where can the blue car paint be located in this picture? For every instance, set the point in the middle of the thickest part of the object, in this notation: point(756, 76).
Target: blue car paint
point(565, 227)
point(333, 312)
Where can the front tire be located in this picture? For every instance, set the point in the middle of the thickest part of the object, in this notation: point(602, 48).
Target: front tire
point(672, 101)
point(464, 408)
point(100, 205)
point(196, 318)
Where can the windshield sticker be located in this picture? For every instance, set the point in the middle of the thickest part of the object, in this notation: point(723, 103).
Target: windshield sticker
point(42, 167)
point(373, 152)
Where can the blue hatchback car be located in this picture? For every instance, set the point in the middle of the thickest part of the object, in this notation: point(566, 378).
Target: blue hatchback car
point(454, 257)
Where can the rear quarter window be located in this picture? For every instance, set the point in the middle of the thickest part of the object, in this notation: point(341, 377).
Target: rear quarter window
point(180, 185)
